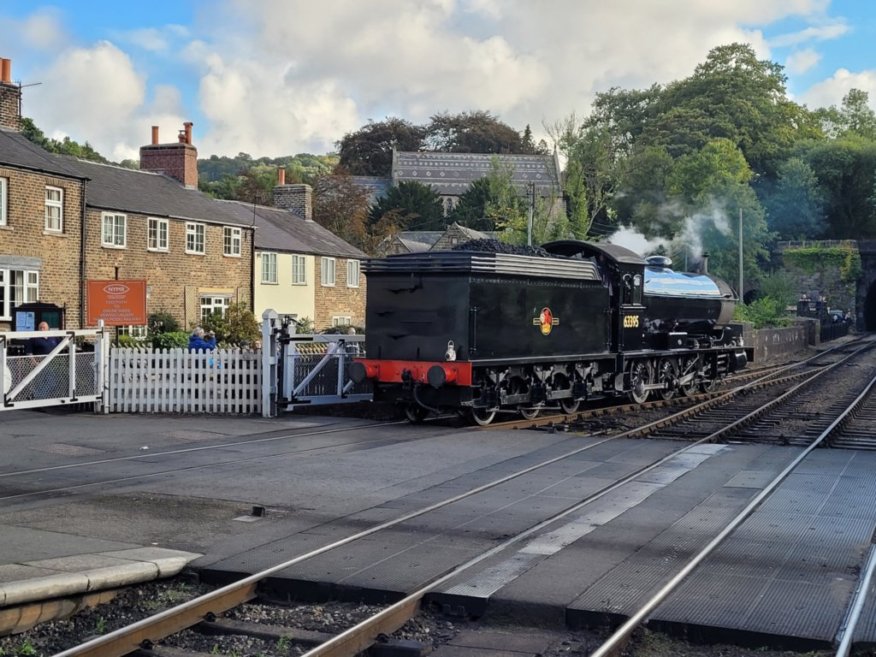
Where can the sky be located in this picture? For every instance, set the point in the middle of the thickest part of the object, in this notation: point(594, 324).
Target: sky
point(280, 77)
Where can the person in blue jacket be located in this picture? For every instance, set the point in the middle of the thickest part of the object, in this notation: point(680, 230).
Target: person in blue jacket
point(42, 346)
point(201, 341)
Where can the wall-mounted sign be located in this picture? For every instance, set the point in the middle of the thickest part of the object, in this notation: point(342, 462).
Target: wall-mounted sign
point(117, 303)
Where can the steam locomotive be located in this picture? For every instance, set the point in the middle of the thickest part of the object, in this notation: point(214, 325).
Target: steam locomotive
point(486, 333)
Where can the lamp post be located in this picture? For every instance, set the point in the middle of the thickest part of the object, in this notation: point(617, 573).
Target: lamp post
point(740, 254)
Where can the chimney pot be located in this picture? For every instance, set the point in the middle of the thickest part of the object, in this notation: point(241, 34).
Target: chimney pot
point(188, 131)
point(6, 71)
point(154, 135)
point(281, 176)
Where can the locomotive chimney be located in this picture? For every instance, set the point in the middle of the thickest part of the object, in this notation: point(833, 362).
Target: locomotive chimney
point(705, 265)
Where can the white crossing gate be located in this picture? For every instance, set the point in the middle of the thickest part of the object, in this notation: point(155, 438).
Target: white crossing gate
point(72, 373)
point(224, 381)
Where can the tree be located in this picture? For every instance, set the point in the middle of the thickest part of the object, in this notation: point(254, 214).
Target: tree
point(846, 172)
point(414, 206)
point(471, 207)
point(237, 327)
point(65, 146)
point(368, 151)
point(795, 207)
point(341, 206)
point(854, 116)
point(473, 132)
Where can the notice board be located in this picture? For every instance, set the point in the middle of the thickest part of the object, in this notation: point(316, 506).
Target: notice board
point(117, 303)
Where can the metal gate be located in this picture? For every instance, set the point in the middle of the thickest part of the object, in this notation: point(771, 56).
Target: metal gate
point(72, 373)
point(307, 370)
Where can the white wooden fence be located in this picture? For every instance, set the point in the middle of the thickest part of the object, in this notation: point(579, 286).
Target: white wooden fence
point(180, 381)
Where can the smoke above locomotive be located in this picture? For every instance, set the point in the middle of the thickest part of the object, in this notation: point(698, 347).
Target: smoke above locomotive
point(491, 328)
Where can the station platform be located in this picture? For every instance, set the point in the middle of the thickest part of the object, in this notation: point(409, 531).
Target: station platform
point(783, 579)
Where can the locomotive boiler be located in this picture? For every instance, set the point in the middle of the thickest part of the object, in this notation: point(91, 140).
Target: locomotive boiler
point(489, 332)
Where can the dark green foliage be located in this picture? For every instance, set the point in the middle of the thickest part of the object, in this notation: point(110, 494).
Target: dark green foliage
point(171, 340)
point(764, 312)
point(795, 204)
point(368, 151)
point(474, 132)
point(237, 328)
point(65, 146)
point(471, 207)
point(162, 322)
point(414, 206)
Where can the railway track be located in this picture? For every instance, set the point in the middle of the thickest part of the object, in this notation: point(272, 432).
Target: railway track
point(209, 608)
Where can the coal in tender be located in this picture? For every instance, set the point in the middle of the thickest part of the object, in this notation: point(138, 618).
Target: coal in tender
point(495, 246)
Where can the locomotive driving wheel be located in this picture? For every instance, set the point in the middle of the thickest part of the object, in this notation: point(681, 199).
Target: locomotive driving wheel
point(570, 405)
point(640, 376)
point(689, 365)
point(666, 375)
point(529, 412)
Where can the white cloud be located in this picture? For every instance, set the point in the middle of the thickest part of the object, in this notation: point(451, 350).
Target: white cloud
point(802, 60)
point(832, 90)
point(91, 94)
point(825, 32)
point(285, 76)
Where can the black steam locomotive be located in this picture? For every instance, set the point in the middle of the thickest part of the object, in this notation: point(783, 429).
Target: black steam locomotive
point(486, 332)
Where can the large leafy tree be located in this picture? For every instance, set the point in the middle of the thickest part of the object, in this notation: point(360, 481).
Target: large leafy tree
point(368, 151)
point(474, 132)
point(796, 205)
point(412, 206)
point(853, 117)
point(846, 171)
point(471, 207)
point(341, 206)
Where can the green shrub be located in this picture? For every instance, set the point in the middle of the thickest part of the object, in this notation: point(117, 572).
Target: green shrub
point(172, 340)
point(238, 327)
point(162, 322)
point(764, 312)
point(130, 342)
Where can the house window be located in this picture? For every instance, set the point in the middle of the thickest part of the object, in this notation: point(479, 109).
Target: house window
point(299, 270)
point(352, 273)
point(232, 241)
point(158, 234)
point(4, 195)
point(342, 320)
point(54, 209)
point(113, 230)
point(17, 286)
point(269, 268)
point(139, 332)
point(195, 238)
point(327, 271)
point(211, 305)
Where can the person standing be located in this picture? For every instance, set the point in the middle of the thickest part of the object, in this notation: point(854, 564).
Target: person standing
point(42, 346)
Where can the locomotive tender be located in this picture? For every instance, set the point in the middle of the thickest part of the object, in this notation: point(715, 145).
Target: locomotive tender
point(486, 332)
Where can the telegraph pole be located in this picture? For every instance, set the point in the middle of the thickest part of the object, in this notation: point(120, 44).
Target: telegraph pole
point(531, 210)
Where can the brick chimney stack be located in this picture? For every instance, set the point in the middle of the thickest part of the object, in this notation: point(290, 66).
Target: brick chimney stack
point(295, 198)
point(10, 98)
point(177, 160)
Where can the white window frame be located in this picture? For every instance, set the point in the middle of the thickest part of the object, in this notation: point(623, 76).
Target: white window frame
point(193, 232)
point(353, 269)
point(342, 320)
point(30, 289)
point(4, 201)
point(54, 204)
point(269, 271)
point(299, 269)
point(113, 233)
point(232, 241)
point(154, 227)
point(210, 303)
point(327, 272)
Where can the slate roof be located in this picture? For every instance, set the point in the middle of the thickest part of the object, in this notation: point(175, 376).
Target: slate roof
point(129, 190)
point(428, 237)
point(18, 151)
point(450, 174)
point(282, 230)
point(376, 186)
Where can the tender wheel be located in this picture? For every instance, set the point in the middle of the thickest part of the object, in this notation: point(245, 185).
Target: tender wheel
point(415, 413)
point(569, 406)
point(482, 416)
point(707, 385)
point(640, 376)
point(530, 413)
point(666, 374)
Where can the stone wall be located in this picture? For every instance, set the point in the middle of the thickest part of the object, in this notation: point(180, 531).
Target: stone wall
point(777, 344)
